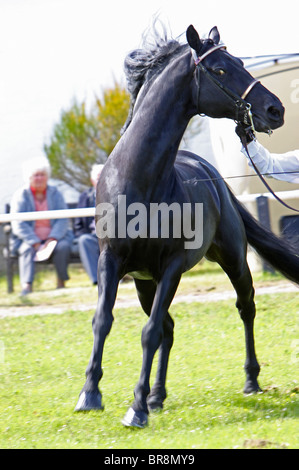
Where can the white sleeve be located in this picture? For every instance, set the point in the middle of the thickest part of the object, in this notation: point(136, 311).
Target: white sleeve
point(284, 167)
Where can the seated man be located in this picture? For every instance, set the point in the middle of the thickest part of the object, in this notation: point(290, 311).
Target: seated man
point(84, 228)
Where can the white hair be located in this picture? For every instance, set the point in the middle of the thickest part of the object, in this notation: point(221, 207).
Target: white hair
point(95, 171)
point(35, 164)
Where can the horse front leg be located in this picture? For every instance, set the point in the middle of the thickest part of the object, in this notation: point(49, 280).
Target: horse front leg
point(151, 339)
point(90, 397)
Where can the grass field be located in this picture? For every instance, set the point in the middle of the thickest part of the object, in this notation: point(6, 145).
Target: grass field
point(43, 359)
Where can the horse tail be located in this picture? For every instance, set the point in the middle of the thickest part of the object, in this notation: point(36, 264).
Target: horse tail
point(279, 253)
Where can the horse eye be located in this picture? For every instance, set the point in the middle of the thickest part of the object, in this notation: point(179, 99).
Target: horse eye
point(219, 72)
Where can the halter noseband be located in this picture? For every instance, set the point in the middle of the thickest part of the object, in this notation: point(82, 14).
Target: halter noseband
point(240, 103)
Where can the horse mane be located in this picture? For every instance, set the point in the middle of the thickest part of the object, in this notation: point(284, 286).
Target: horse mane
point(141, 65)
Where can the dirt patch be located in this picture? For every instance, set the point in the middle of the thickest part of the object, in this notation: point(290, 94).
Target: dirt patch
point(23, 310)
point(262, 444)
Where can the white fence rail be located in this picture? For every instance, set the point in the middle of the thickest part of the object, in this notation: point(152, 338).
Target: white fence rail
point(90, 211)
point(283, 195)
point(55, 214)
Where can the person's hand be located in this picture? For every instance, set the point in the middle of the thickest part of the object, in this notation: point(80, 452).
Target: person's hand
point(36, 246)
point(48, 241)
point(244, 132)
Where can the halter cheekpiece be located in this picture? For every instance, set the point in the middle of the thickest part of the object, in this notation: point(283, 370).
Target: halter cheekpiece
point(241, 105)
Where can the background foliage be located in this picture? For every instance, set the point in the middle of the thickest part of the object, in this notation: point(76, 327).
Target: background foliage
point(86, 135)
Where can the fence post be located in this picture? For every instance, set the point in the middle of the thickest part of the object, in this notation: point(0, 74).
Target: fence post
point(9, 261)
point(264, 218)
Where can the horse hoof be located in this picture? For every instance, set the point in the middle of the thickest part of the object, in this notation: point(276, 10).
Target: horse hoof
point(154, 405)
point(89, 401)
point(252, 387)
point(135, 419)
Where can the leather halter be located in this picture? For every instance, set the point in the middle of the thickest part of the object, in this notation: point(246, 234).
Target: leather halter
point(241, 105)
point(200, 58)
point(249, 88)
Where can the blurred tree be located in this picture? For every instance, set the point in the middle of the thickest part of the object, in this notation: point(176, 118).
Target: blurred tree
point(84, 137)
point(112, 111)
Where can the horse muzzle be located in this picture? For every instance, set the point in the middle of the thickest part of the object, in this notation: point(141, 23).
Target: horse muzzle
point(272, 117)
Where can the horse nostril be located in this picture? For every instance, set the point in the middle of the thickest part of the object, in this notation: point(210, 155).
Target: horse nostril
point(275, 113)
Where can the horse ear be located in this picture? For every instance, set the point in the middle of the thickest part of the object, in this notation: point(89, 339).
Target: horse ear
point(193, 38)
point(214, 35)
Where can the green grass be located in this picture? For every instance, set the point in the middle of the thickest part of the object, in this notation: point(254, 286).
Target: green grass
point(43, 359)
point(203, 278)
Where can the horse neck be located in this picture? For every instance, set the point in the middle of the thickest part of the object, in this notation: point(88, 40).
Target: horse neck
point(150, 144)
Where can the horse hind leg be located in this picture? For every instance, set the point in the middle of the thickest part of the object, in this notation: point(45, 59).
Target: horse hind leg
point(246, 307)
point(241, 279)
point(158, 391)
point(146, 292)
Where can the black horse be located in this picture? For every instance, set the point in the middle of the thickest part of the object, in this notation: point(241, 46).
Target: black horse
point(144, 170)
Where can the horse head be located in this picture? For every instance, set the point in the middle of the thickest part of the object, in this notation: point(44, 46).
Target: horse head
point(224, 88)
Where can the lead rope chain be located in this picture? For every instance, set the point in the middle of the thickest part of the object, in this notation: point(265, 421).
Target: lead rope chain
point(239, 102)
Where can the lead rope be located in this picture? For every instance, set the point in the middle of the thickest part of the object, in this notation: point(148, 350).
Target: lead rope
point(240, 103)
point(244, 143)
